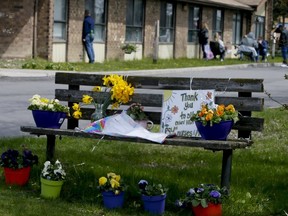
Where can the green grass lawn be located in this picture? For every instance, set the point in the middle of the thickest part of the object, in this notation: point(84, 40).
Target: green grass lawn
point(258, 188)
point(117, 65)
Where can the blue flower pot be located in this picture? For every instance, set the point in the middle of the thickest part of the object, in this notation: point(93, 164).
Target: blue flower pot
point(48, 119)
point(111, 200)
point(154, 204)
point(218, 131)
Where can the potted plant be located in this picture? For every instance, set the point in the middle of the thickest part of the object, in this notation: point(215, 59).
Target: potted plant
point(153, 196)
point(136, 112)
point(52, 179)
point(120, 93)
point(214, 122)
point(129, 48)
point(205, 200)
point(47, 113)
point(17, 166)
point(112, 189)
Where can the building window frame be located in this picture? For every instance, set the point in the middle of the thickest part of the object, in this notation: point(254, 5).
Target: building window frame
point(260, 26)
point(194, 20)
point(99, 14)
point(134, 21)
point(218, 21)
point(167, 22)
point(237, 26)
point(60, 21)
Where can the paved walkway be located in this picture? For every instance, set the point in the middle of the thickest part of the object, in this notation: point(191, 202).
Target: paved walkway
point(4, 72)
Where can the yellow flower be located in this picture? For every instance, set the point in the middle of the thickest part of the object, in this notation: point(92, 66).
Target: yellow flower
point(102, 181)
point(44, 100)
point(117, 192)
point(76, 106)
point(114, 183)
point(209, 115)
point(117, 178)
point(111, 175)
point(97, 89)
point(77, 114)
point(230, 108)
point(87, 99)
point(220, 110)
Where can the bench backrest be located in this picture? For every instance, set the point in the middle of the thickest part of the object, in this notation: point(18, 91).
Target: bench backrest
point(149, 92)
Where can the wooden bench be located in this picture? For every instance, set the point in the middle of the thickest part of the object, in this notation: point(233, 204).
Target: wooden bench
point(149, 92)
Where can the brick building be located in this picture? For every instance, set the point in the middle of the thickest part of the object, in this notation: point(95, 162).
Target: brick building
point(51, 29)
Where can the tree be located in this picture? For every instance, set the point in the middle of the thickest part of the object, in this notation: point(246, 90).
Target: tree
point(280, 10)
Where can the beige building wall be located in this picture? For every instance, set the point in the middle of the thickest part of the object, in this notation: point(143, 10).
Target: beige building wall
point(116, 29)
point(181, 33)
point(75, 49)
point(151, 16)
point(16, 28)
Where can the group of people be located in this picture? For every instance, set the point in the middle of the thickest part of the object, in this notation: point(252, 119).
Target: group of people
point(249, 45)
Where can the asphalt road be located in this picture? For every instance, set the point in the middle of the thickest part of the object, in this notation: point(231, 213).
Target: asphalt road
point(17, 86)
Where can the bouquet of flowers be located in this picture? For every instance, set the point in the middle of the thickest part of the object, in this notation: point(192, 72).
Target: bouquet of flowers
point(120, 93)
point(112, 182)
point(151, 189)
point(202, 195)
point(41, 103)
point(213, 115)
point(54, 171)
point(13, 159)
point(136, 112)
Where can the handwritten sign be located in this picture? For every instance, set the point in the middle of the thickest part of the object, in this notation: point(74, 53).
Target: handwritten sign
point(179, 106)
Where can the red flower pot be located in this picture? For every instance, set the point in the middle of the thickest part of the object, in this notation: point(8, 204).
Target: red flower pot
point(17, 176)
point(211, 210)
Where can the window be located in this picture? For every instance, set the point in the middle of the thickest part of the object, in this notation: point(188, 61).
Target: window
point(166, 22)
point(237, 28)
point(259, 26)
point(97, 9)
point(60, 20)
point(134, 20)
point(193, 23)
point(218, 20)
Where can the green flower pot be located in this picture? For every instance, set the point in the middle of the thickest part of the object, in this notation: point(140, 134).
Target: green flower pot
point(50, 189)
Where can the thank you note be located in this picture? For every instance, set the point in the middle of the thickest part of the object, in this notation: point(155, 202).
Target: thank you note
point(178, 107)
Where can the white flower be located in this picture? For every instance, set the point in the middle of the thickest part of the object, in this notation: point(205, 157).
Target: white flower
point(53, 171)
point(50, 106)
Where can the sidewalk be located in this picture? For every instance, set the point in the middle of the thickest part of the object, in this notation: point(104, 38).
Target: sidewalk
point(4, 72)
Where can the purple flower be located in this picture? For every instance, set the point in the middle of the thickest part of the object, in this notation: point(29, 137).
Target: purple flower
point(142, 184)
point(190, 192)
point(215, 194)
point(199, 190)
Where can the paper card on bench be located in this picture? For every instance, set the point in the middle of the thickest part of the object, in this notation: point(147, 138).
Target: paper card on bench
point(178, 107)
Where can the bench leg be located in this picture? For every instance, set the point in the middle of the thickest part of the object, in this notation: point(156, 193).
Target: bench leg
point(50, 148)
point(226, 168)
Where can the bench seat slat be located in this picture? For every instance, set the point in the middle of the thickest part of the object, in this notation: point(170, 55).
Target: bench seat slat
point(155, 100)
point(177, 141)
point(219, 84)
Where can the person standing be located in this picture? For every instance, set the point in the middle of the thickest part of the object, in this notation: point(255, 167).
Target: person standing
point(88, 36)
point(283, 43)
point(203, 36)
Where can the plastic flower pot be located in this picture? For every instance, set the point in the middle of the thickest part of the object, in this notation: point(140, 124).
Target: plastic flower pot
point(17, 176)
point(154, 204)
point(50, 189)
point(112, 200)
point(211, 210)
point(218, 131)
point(48, 119)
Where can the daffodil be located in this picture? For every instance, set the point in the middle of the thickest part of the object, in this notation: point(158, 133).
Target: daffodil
point(102, 181)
